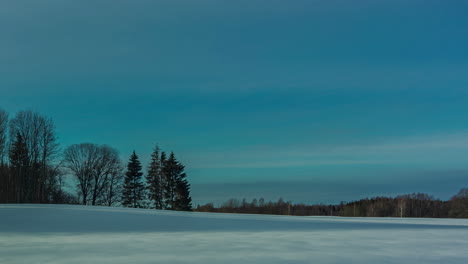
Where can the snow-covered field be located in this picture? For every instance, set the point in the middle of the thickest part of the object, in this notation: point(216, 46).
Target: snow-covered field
point(79, 234)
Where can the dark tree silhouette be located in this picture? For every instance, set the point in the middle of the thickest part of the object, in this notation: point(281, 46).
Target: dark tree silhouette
point(38, 133)
point(154, 179)
point(28, 148)
point(170, 173)
point(112, 193)
point(30, 173)
point(415, 205)
point(3, 136)
point(177, 189)
point(163, 161)
point(94, 166)
point(183, 200)
point(134, 189)
point(459, 204)
point(19, 169)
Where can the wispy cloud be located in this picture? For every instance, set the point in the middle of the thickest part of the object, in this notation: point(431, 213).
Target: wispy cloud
point(432, 149)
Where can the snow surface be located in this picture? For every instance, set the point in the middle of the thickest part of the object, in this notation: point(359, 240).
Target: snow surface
point(80, 234)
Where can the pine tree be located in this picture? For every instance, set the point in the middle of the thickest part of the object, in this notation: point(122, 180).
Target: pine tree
point(154, 180)
point(177, 189)
point(133, 192)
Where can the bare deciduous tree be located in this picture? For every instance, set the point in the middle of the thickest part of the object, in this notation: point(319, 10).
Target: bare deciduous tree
point(113, 189)
point(93, 166)
point(401, 206)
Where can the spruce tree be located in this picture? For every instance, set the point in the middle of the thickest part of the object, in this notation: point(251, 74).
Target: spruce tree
point(177, 189)
point(169, 182)
point(163, 160)
point(133, 192)
point(155, 181)
point(183, 200)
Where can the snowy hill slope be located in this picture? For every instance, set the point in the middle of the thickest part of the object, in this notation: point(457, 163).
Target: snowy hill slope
point(79, 234)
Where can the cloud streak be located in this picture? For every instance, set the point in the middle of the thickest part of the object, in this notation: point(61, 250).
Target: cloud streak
point(440, 149)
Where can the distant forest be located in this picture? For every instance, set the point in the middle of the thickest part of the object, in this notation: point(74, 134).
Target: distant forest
point(33, 169)
point(410, 205)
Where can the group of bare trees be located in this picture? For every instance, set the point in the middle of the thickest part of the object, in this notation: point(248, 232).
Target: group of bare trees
point(32, 171)
point(29, 172)
point(98, 170)
point(410, 205)
point(459, 204)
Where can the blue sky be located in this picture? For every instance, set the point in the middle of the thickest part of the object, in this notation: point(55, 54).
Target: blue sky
point(315, 101)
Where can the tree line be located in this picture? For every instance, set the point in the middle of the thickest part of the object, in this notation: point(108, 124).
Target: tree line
point(33, 169)
point(410, 205)
point(28, 147)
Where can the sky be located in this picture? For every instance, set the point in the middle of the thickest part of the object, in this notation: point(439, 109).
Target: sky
point(313, 101)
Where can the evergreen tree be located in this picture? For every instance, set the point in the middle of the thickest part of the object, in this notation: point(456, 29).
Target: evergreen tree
point(163, 160)
point(18, 152)
point(177, 189)
point(183, 200)
point(19, 162)
point(155, 181)
point(169, 171)
point(133, 192)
